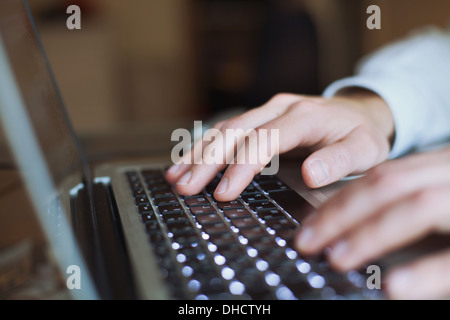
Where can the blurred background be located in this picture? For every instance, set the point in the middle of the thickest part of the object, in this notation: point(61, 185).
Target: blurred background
point(140, 68)
point(139, 63)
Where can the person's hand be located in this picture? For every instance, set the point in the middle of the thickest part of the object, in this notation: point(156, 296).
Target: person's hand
point(396, 203)
point(348, 134)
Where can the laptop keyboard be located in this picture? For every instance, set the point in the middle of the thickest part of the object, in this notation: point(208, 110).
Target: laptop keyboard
point(235, 250)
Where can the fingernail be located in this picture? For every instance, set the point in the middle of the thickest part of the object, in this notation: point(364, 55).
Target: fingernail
point(399, 283)
point(339, 250)
point(184, 180)
point(306, 238)
point(319, 171)
point(173, 169)
point(222, 187)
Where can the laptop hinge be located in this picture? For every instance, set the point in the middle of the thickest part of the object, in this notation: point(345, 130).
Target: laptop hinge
point(99, 232)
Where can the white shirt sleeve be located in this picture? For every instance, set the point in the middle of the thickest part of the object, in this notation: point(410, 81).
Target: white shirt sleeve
point(413, 77)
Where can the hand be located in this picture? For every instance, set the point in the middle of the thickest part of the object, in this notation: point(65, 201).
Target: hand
point(348, 134)
point(395, 204)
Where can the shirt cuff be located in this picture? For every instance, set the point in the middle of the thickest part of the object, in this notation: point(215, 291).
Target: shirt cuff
point(404, 111)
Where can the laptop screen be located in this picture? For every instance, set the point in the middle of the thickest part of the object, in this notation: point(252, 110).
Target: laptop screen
point(39, 133)
point(40, 96)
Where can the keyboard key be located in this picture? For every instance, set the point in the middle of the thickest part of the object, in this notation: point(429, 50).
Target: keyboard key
point(211, 218)
point(243, 223)
point(186, 240)
point(299, 288)
point(181, 228)
point(237, 213)
point(263, 244)
point(241, 264)
point(167, 192)
point(157, 237)
point(202, 209)
point(171, 208)
point(274, 257)
point(148, 217)
point(145, 209)
point(254, 232)
point(287, 271)
point(217, 228)
point(250, 190)
point(212, 285)
point(166, 200)
point(261, 206)
point(138, 192)
point(255, 197)
point(222, 240)
point(196, 201)
point(174, 217)
point(203, 269)
point(287, 235)
point(136, 184)
point(155, 181)
point(159, 186)
point(273, 186)
point(230, 205)
point(256, 288)
point(152, 227)
point(141, 200)
point(278, 224)
point(271, 214)
point(263, 178)
point(230, 250)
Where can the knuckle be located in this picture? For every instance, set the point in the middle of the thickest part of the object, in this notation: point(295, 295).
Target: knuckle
point(282, 98)
point(378, 148)
point(424, 197)
point(345, 159)
point(261, 134)
point(366, 135)
point(232, 123)
point(434, 219)
point(305, 106)
point(384, 177)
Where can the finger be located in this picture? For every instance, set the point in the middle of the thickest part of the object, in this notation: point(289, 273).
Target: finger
point(275, 137)
point(400, 223)
point(194, 155)
point(368, 195)
point(427, 278)
point(212, 160)
point(192, 178)
point(255, 152)
point(250, 119)
point(220, 142)
point(178, 169)
point(271, 110)
point(357, 152)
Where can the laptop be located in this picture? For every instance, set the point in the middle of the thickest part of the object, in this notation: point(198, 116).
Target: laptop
point(122, 232)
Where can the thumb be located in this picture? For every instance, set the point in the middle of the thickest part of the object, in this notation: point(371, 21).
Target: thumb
point(359, 151)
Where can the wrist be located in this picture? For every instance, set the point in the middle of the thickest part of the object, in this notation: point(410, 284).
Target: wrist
point(374, 108)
